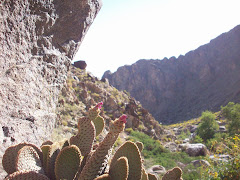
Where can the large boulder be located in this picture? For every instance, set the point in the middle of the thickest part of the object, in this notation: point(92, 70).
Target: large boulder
point(198, 149)
point(38, 42)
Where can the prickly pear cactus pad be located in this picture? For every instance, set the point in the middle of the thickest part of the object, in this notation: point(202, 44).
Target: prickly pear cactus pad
point(45, 149)
point(51, 158)
point(173, 174)
point(131, 152)
point(86, 131)
point(94, 112)
point(28, 160)
point(10, 155)
point(103, 177)
point(99, 124)
point(119, 171)
point(152, 177)
point(26, 175)
point(94, 164)
point(68, 162)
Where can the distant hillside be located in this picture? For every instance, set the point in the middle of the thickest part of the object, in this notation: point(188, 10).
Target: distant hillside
point(178, 89)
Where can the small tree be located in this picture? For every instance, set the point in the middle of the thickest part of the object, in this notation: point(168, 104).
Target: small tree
point(232, 112)
point(208, 126)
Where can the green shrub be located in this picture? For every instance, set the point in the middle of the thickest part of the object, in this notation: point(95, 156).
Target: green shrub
point(232, 113)
point(208, 126)
point(229, 169)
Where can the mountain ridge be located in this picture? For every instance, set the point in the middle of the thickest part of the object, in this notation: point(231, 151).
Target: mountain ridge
point(178, 89)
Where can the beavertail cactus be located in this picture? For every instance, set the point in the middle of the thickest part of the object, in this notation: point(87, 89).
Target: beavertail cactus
point(140, 146)
point(119, 171)
point(94, 164)
point(103, 177)
point(99, 124)
point(151, 177)
point(132, 153)
point(68, 162)
point(144, 175)
point(28, 160)
point(173, 174)
point(26, 175)
point(86, 131)
point(10, 156)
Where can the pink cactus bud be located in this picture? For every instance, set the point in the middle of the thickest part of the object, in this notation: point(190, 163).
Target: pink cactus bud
point(99, 105)
point(123, 118)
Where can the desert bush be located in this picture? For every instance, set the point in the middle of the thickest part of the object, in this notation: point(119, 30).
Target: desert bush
point(232, 112)
point(228, 169)
point(208, 126)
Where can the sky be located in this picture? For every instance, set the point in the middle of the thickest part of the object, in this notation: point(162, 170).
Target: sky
point(125, 31)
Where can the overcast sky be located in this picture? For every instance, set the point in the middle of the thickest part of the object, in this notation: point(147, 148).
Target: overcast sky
point(125, 31)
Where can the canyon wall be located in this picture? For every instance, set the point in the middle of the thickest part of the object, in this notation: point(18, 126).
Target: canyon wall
point(179, 89)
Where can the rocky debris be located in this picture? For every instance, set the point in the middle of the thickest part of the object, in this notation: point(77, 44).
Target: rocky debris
point(171, 146)
point(80, 64)
point(198, 149)
point(222, 129)
point(38, 41)
point(178, 89)
point(220, 157)
point(157, 170)
point(199, 163)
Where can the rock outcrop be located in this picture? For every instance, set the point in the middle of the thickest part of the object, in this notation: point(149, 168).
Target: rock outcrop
point(82, 90)
point(38, 40)
point(179, 89)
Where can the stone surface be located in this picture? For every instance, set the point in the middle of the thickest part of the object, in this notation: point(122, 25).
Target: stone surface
point(200, 162)
point(198, 149)
point(38, 42)
point(80, 64)
point(179, 89)
point(157, 170)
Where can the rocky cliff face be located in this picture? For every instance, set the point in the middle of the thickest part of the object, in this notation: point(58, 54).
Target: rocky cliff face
point(178, 89)
point(37, 42)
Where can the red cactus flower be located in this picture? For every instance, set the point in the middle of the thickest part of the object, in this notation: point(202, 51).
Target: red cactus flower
point(123, 118)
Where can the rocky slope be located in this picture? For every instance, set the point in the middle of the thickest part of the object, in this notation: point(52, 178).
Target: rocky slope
point(38, 41)
point(82, 90)
point(178, 89)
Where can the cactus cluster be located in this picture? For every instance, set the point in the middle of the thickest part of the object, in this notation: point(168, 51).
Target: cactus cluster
point(79, 158)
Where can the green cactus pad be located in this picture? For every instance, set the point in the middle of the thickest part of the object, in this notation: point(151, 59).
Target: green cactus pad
point(140, 146)
point(144, 175)
point(99, 124)
point(45, 149)
point(10, 155)
point(51, 158)
point(28, 160)
point(96, 164)
point(119, 170)
point(85, 137)
point(68, 163)
point(47, 143)
point(26, 175)
point(151, 176)
point(131, 152)
point(173, 174)
point(104, 177)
